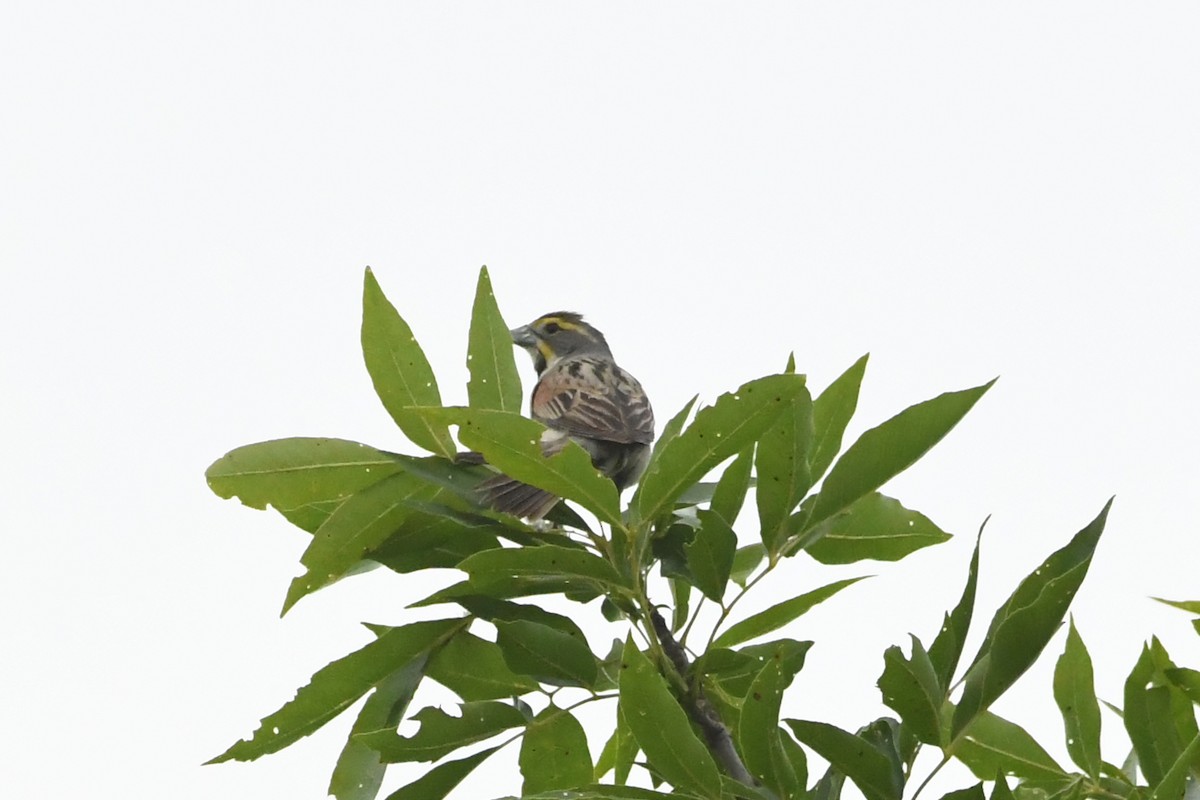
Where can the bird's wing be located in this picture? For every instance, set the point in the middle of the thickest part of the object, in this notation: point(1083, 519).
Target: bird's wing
point(593, 397)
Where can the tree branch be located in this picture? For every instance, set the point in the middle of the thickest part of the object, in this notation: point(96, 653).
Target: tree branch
point(717, 736)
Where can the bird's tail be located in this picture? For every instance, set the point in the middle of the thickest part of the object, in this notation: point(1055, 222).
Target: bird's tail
point(502, 493)
point(511, 496)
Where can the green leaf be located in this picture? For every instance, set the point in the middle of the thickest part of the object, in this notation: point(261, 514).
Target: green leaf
point(672, 429)
point(1075, 693)
point(947, 646)
point(399, 370)
point(494, 381)
point(719, 431)
point(1181, 775)
point(662, 729)
point(429, 540)
point(474, 669)
point(494, 610)
point(875, 527)
point(710, 555)
point(546, 654)
point(512, 444)
point(745, 561)
point(871, 770)
point(1191, 606)
point(626, 747)
point(1025, 622)
point(492, 567)
point(1158, 717)
point(359, 772)
point(758, 734)
point(1000, 790)
point(1186, 680)
point(441, 734)
point(360, 524)
point(832, 411)
point(885, 451)
point(730, 492)
point(607, 792)
point(681, 599)
point(441, 780)
point(910, 687)
point(781, 462)
point(304, 478)
point(971, 793)
point(779, 614)
point(554, 753)
point(336, 686)
point(993, 743)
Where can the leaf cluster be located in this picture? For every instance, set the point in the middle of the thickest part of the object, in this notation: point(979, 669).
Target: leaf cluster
point(695, 704)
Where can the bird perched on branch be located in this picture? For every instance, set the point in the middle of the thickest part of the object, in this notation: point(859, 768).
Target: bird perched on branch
point(581, 396)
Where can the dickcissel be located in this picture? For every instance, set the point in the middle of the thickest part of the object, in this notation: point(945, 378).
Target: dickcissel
point(582, 396)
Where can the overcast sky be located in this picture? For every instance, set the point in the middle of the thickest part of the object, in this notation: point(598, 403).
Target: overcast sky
point(189, 193)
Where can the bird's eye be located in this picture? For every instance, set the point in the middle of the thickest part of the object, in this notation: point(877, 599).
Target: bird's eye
point(551, 327)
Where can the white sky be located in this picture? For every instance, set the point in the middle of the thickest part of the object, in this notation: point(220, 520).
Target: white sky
point(189, 193)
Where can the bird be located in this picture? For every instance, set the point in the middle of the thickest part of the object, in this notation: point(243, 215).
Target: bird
point(583, 396)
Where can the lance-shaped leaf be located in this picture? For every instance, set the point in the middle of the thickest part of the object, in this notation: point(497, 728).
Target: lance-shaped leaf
point(832, 411)
point(779, 614)
point(871, 770)
point(360, 524)
point(441, 780)
point(554, 753)
point(781, 462)
point(494, 380)
point(947, 646)
point(621, 748)
point(429, 540)
point(512, 444)
point(441, 734)
point(876, 527)
point(971, 793)
point(304, 478)
point(546, 654)
point(358, 773)
point(993, 743)
point(730, 492)
point(710, 554)
point(1185, 680)
point(759, 739)
point(662, 729)
point(474, 669)
point(672, 429)
point(910, 687)
point(1075, 694)
point(336, 686)
point(1025, 622)
point(1175, 782)
point(1158, 716)
point(719, 431)
point(885, 451)
point(1191, 606)
point(549, 562)
point(400, 371)
point(606, 792)
point(745, 561)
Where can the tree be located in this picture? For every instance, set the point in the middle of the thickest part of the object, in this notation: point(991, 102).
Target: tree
point(698, 710)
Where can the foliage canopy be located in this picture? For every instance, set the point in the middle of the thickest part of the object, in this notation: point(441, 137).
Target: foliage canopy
point(698, 711)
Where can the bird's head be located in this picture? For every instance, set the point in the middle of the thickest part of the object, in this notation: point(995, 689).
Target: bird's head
point(559, 335)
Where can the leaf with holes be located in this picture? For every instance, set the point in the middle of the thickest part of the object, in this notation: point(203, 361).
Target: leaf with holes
point(494, 380)
point(400, 371)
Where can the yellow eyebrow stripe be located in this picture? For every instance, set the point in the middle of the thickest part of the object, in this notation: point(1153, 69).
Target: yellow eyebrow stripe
point(562, 322)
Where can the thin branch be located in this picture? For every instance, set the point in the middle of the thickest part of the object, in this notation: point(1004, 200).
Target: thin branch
point(719, 740)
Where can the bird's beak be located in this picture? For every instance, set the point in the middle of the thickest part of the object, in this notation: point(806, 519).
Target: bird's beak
point(523, 337)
